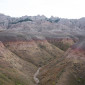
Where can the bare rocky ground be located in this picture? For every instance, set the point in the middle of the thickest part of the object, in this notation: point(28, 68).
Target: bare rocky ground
point(53, 44)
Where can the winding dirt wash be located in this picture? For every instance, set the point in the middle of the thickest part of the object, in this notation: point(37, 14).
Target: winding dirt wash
point(35, 76)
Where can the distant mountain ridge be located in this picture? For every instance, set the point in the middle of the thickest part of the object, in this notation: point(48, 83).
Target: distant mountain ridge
point(57, 45)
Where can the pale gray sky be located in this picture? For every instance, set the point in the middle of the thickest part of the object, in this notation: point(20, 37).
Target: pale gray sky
point(58, 8)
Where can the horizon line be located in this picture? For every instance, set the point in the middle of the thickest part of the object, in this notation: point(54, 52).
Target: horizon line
point(39, 15)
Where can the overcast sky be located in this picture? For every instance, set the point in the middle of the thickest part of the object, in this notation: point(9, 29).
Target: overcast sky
point(58, 8)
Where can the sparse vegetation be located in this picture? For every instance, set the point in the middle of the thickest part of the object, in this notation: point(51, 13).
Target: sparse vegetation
point(28, 43)
point(61, 45)
point(22, 20)
point(42, 46)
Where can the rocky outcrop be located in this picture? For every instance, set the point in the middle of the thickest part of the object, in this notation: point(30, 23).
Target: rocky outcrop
point(27, 43)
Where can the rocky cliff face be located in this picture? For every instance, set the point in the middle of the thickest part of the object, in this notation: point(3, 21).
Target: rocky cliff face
point(54, 44)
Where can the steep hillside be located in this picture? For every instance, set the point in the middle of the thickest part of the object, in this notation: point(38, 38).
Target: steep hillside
point(67, 70)
point(14, 70)
point(53, 44)
point(37, 52)
point(21, 58)
point(74, 73)
point(62, 43)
